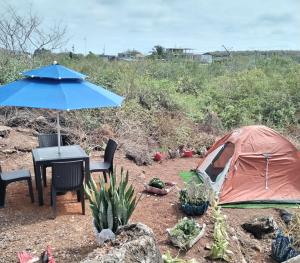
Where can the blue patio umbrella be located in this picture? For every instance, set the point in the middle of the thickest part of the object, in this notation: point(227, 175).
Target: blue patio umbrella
point(59, 88)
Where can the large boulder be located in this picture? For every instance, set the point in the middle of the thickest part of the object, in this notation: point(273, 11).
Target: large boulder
point(261, 226)
point(134, 243)
point(293, 260)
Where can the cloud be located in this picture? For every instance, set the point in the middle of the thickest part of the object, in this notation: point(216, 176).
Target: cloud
point(276, 18)
point(199, 24)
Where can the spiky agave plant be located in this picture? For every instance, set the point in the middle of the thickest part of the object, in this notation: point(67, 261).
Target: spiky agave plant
point(113, 204)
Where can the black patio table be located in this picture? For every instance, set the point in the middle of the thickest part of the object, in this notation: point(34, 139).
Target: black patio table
point(48, 155)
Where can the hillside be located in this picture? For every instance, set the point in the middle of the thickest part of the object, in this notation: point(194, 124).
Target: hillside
point(172, 103)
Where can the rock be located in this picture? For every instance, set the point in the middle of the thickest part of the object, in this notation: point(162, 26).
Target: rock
point(105, 235)
point(293, 260)
point(258, 248)
point(41, 119)
point(9, 151)
point(207, 246)
point(286, 216)
point(260, 226)
point(138, 156)
point(135, 243)
point(173, 153)
point(4, 131)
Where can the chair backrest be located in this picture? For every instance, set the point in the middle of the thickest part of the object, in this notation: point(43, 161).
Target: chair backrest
point(109, 153)
point(67, 175)
point(48, 140)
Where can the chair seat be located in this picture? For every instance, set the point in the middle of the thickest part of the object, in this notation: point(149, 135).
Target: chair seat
point(99, 166)
point(13, 175)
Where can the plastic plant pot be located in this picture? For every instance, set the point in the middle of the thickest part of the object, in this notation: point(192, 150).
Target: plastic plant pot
point(195, 210)
point(282, 248)
point(158, 156)
point(187, 154)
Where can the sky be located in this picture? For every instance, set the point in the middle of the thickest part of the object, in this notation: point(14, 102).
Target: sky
point(113, 26)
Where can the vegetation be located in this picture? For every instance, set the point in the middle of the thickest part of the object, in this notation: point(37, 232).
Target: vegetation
point(113, 204)
point(184, 232)
point(293, 230)
point(167, 258)
point(195, 193)
point(170, 102)
point(220, 246)
point(156, 182)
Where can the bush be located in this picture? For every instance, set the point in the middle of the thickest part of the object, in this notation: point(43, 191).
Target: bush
point(167, 101)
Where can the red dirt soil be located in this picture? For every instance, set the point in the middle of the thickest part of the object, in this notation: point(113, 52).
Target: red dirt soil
point(26, 226)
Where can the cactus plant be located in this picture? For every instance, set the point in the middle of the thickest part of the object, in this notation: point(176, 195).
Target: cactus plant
point(156, 182)
point(113, 204)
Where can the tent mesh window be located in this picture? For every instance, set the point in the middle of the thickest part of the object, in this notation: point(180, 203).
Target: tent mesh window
point(219, 162)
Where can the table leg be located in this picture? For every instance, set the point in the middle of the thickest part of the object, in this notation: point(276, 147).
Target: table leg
point(38, 179)
point(35, 174)
point(87, 170)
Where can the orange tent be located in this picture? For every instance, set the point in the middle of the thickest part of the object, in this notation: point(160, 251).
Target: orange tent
point(253, 163)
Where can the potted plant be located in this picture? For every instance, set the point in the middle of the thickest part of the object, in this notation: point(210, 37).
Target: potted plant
point(194, 198)
point(186, 233)
point(112, 205)
point(157, 186)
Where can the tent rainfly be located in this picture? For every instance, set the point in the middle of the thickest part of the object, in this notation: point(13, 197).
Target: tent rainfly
point(253, 164)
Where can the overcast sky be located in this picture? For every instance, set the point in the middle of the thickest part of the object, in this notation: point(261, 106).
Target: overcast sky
point(204, 25)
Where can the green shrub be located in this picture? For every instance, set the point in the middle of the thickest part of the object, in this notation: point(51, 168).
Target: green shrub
point(195, 193)
point(184, 231)
point(168, 100)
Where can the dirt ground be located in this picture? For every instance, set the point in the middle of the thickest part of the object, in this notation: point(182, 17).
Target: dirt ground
point(26, 226)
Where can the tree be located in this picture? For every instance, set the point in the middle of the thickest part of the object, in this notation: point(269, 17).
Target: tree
point(25, 33)
point(159, 51)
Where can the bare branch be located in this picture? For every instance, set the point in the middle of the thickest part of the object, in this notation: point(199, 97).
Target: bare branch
point(26, 33)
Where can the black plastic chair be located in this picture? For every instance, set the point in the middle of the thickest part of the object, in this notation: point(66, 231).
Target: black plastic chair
point(107, 165)
point(47, 140)
point(13, 176)
point(67, 176)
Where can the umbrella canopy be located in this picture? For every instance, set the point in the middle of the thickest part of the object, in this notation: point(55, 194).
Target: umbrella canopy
point(59, 88)
point(54, 71)
point(56, 94)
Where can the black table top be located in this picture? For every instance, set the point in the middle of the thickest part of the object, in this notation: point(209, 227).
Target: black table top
point(51, 153)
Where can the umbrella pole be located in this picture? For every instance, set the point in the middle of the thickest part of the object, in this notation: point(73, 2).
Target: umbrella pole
point(58, 132)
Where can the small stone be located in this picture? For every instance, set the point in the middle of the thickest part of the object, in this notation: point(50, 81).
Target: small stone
point(235, 238)
point(8, 151)
point(258, 248)
point(4, 131)
point(286, 216)
point(207, 246)
point(41, 118)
